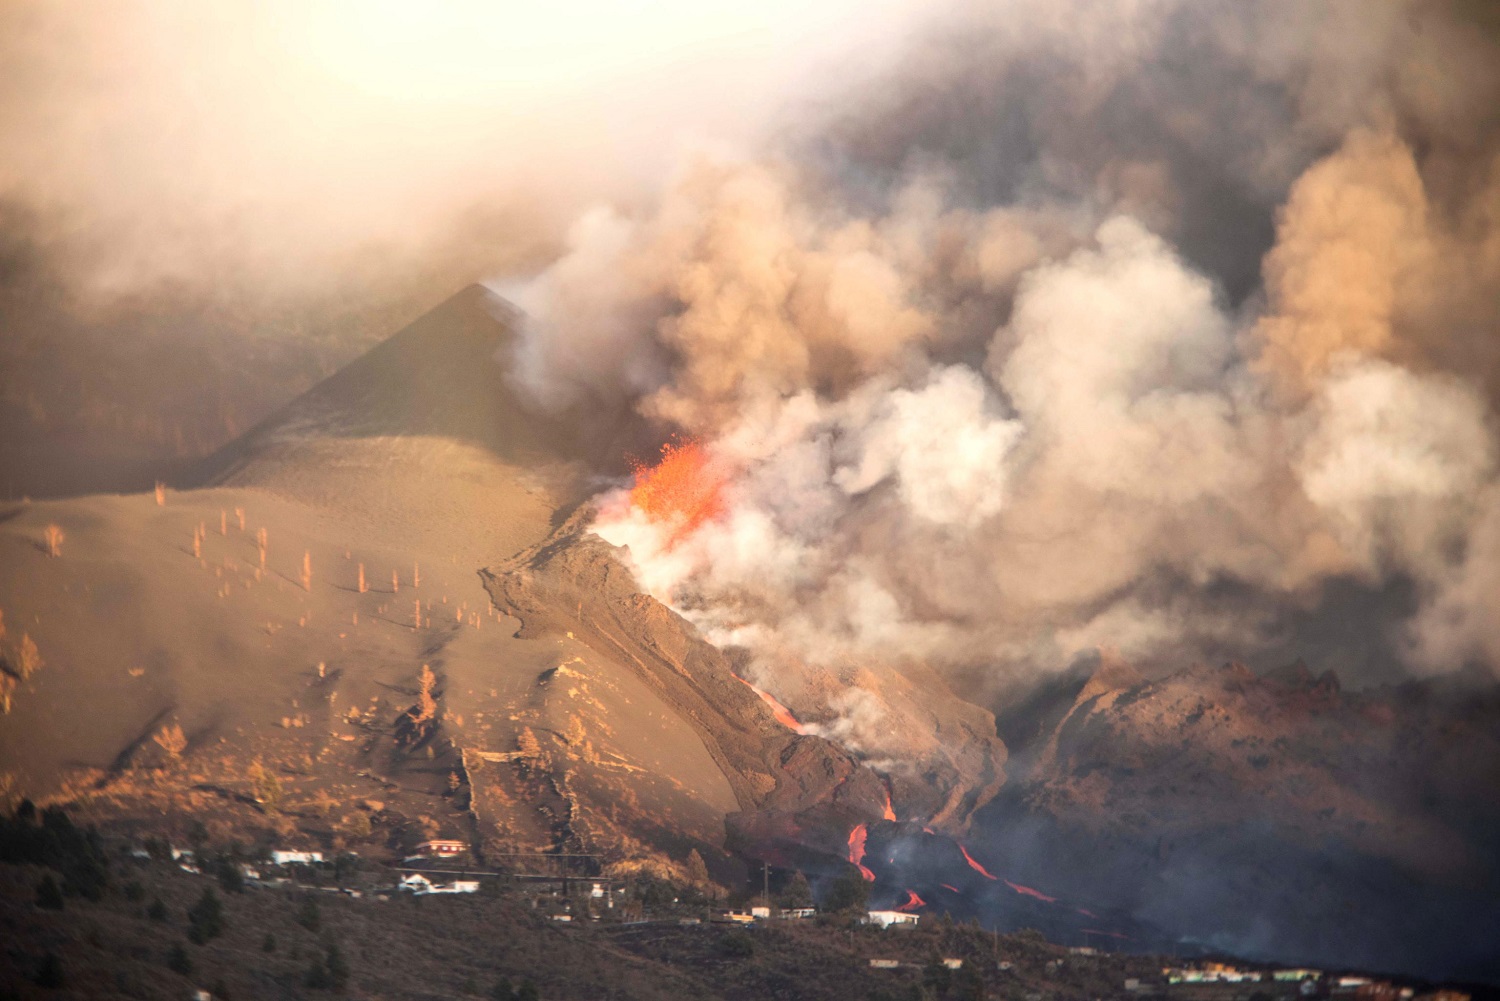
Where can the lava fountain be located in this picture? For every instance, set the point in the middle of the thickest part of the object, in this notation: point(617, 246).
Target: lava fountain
point(682, 491)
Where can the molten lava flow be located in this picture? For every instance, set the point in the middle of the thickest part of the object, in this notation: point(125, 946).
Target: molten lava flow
point(857, 851)
point(782, 713)
point(1027, 891)
point(889, 813)
point(1086, 912)
point(682, 491)
point(912, 902)
point(953, 889)
point(975, 865)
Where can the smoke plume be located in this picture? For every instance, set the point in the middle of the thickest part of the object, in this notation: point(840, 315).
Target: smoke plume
point(1139, 325)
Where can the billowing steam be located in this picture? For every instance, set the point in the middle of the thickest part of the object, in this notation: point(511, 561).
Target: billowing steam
point(984, 378)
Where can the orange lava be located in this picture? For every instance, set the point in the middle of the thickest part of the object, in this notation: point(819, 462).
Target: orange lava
point(889, 813)
point(1027, 891)
point(1086, 912)
point(782, 713)
point(912, 902)
point(976, 866)
point(682, 490)
point(857, 851)
point(954, 889)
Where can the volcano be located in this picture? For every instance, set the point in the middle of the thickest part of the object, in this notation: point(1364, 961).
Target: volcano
point(380, 617)
point(405, 519)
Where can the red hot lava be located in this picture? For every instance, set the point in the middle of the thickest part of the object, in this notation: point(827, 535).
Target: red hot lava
point(1027, 891)
point(857, 851)
point(889, 813)
point(912, 902)
point(975, 865)
point(683, 490)
point(782, 713)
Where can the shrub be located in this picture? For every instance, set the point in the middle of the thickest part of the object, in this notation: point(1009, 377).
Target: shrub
point(229, 875)
point(28, 657)
point(49, 973)
point(329, 971)
point(737, 945)
point(157, 911)
point(172, 740)
point(134, 891)
point(308, 915)
point(178, 961)
point(48, 894)
point(206, 918)
point(268, 944)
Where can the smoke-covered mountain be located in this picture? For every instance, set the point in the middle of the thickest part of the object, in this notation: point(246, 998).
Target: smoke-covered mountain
point(383, 614)
point(1273, 815)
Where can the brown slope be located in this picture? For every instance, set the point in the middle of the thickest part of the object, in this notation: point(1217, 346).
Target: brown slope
point(573, 590)
point(417, 458)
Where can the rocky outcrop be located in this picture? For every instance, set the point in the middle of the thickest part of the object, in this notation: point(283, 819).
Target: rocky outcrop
point(1275, 814)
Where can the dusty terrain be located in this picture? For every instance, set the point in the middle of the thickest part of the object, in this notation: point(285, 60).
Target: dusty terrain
point(279, 610)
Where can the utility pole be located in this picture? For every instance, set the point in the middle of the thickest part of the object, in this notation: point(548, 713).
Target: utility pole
point(765, 882)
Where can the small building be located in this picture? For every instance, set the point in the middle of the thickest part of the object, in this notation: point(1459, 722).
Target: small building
point(1296, 975)
point(761, 912)
point(798, 913)
point(738, 917)
point(886, 919)
point(953, 963)
point(441, 848)
point(296, 858)
point(464, 886)
point(1083, 950)
point(565, 918)
point(885, 964)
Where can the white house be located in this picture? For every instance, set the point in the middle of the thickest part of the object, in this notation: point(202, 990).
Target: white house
point(885, 964)
point(761, 912)
point(953, 964)
point(887, 918)
point(420, 884)
point(415, 883)
point(296, 858)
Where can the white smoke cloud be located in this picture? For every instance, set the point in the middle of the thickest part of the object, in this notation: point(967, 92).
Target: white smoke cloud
point(988, 432)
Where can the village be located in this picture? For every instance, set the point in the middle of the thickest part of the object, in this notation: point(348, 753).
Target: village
point(436, 868)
